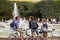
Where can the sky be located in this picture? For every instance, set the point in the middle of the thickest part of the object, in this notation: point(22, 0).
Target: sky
point(26, 0)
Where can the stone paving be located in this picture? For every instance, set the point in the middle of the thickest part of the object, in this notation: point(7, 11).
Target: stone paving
point(50, 38)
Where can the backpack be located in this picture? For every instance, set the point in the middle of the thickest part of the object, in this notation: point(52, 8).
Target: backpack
point(34, 25)
point(45, 25)
point(12, 24)
point(44, 28)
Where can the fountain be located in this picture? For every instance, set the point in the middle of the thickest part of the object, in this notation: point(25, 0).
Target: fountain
point(15, 11)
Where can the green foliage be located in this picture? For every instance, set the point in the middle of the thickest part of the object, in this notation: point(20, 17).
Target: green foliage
point(5, 9)
point(43, 9)
point(49, 9)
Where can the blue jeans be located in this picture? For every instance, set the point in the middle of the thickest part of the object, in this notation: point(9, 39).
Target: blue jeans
point(35, 30)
